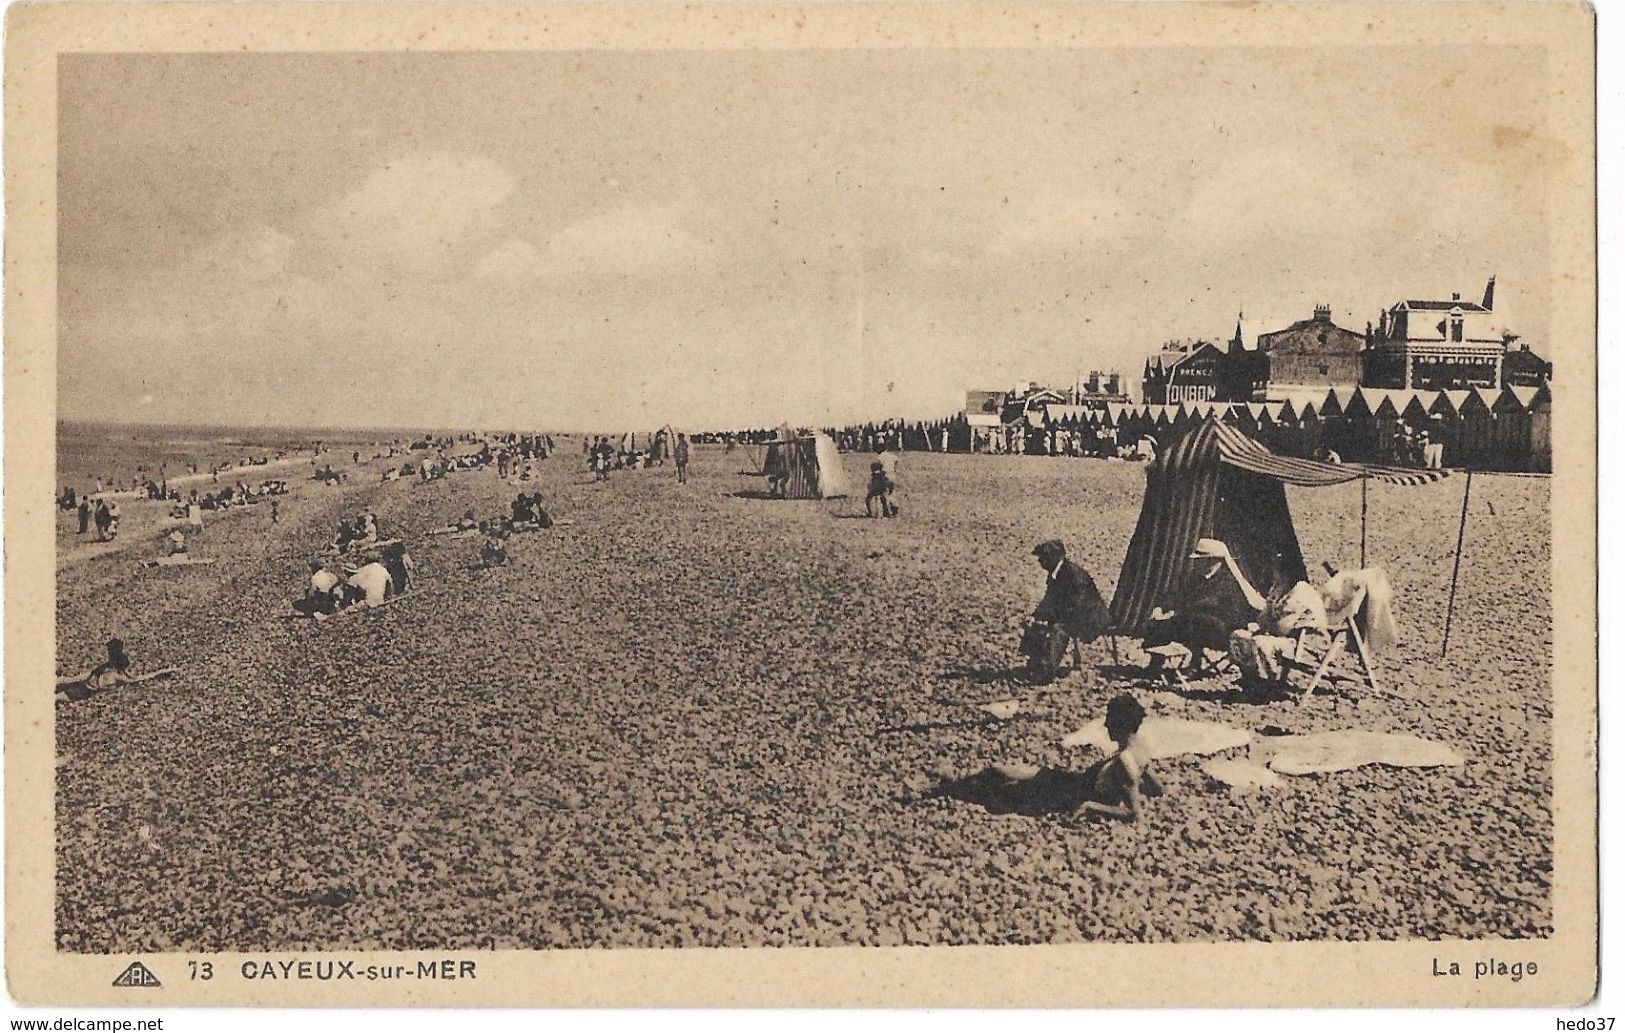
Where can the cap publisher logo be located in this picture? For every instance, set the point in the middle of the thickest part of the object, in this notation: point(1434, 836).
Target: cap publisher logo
point(137, 974)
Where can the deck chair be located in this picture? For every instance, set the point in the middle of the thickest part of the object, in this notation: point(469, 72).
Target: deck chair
point(1194, 654)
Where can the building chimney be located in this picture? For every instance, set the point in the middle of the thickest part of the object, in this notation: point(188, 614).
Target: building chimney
point(1489, 295)
point(1456, 296)
point(1323, 313)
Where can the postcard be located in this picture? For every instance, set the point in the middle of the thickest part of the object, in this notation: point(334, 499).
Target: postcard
point(801, 504)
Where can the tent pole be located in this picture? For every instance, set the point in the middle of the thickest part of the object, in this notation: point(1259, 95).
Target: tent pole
point(1364, 482)
point(1461, 535)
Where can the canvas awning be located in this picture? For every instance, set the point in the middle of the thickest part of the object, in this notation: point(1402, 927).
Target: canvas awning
point(1237, 449)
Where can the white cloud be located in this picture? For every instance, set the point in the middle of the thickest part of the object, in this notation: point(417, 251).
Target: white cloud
point(1281, 192)
point(629, 241)
point(511, 261)
point(420, 215)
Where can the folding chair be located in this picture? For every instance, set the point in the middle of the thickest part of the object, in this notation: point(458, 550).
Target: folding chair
point(1197, 661)
point(1338, 638)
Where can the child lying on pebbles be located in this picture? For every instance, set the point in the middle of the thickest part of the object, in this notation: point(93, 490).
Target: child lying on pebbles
point(1121, 781)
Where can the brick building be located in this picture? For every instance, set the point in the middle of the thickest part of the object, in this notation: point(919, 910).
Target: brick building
point(1437, 345)
point(1099, 389)
point(1521, 367)
point(1189, 371)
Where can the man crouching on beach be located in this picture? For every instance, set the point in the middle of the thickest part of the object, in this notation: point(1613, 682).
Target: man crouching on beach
point(1071, 610)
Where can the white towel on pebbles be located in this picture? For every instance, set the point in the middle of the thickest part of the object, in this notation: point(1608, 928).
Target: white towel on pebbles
point(1352, 747)
point(1241, 774)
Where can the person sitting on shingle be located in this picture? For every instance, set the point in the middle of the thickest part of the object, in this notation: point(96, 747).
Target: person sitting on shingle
point(1071, 606)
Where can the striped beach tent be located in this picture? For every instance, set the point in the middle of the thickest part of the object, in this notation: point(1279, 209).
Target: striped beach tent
point(812, 462)
point(1216, 482)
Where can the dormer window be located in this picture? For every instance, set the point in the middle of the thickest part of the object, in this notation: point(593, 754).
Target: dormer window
point(1455, 325)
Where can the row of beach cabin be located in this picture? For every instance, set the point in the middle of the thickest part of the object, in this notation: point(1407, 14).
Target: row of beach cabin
point(1482, 428)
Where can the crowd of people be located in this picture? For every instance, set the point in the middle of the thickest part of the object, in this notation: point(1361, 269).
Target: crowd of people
point(604, 454)
point(1416, 446)
point(370, 575)
point(1066, 437)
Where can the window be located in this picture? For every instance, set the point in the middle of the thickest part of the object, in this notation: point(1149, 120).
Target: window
point(1455, 328)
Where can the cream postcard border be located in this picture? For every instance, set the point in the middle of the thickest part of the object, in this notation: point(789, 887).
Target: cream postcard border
point(1319, 973)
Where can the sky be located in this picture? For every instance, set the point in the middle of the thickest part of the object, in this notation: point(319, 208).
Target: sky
point(607, 240)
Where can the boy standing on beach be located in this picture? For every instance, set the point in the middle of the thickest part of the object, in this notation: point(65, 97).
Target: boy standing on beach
point(880, 488)
point(681, 455)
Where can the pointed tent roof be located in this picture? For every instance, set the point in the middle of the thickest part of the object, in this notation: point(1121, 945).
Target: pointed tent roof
point(1360, 403)
point(1524, 395)
point(1057, 413)
point(1448, 403)
point(1299, 396)
point(1473, 401)
point(1384, 400)
point(1337, 401)
point(1418, 404)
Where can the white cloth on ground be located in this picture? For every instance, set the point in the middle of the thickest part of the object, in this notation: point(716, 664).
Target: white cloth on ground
point(1351, 748)
point(324, 581)
point(1241, 774)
